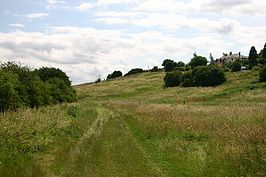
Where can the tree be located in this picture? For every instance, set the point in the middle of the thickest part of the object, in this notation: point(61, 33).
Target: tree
point(252, 57)
point(155, 69)
point(180, 64)
point(198, 61)
point(114, 75)
point(263, 74)
point(134, 71)
point(9, 96)
point(169, 65)
point(211, 59)
point(262, 58)
point(204, 76)
point(236, 66)
point(173, 79)
point(46, 73)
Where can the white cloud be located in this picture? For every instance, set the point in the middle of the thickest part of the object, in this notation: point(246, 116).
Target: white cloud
point(83, 51)
point(17, 25)
point(36, 15)
point(84, 6)
point(52, 4)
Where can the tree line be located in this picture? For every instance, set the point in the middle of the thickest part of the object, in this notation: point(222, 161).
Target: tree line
point(200, 72)
point(21, 86)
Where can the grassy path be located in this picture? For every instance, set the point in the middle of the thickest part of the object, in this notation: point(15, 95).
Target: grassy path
point(108, 148)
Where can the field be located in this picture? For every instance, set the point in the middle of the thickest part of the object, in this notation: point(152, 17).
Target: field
point(133, 126)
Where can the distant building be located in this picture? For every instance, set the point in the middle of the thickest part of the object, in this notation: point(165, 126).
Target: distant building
point(225, 59)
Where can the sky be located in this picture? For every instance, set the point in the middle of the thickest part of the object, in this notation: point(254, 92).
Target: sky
point(88, 39)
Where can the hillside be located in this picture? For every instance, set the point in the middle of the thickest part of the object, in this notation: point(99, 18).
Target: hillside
point(133, 126)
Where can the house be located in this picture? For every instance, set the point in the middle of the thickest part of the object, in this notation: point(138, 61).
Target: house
point(229, 58)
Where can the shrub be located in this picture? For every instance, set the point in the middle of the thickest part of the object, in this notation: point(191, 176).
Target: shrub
point(9, 96)
point(263, 74)
point(198, 61)
point(20, 86)
point(236, 66)
point(204, 76)
point(155, 69)
point(46, 73)
point(169, 65)
point(114, 75)
point(173, 79)
point(134, 71)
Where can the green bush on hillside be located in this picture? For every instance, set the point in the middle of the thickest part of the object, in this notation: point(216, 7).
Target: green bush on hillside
point(22, 87)
point(263, 74)
point(134, 71)
point(115, 74)
point(236, 66)
point(173, 79)
point(204, 76)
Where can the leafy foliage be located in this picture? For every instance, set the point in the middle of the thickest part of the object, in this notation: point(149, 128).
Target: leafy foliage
point(263, 74)
point(22, 87)
point(172, 79)
point(252, 56)
point(134, 71)
point(155, 69)
point(114, 75)
point(236, 66)
point(169, 65)
point(46, 73)
point(198, 61)
point(204, 76)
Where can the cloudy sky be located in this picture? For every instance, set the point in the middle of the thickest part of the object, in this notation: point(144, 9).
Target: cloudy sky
point(91, 38)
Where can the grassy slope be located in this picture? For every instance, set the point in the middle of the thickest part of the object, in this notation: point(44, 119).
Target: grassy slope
point(132, 126)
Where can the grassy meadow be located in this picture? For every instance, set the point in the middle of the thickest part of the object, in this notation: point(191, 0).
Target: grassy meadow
point(133, 126)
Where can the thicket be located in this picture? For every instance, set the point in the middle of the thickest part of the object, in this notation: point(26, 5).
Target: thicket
point(204, 76)
point(200, 76)
point(134, 71)
point(173, 79)
point(115, 74)
point(22, 87)
point(263, 74)
point(236, 66)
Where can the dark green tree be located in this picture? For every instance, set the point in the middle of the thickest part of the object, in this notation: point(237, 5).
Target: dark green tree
point(134, 71)
point(180, 64)
point(252, 56)
point(173, 79)
point(211, 59)
point(262, 57)
point(198, 61)
point(169, 65)
point(46, 73)
point(263, 74)
point(236, 66)
point(114, 75)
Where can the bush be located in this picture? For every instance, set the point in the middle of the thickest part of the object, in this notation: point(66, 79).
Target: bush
point(9, 96)
point(263, 74)
point(47, 73)
point(115, 74)
point(236, 66)
point(198, 61)
point(169, 65)
point(155, 69)
point(20, 86)
point(204, 76)
point(134, 71)
point(173, 79)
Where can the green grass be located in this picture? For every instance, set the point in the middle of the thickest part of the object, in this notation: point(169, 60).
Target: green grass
point(133, 126)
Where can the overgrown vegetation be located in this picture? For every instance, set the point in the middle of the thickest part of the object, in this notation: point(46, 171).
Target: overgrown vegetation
point(173, 79)
point(134, 71)
point(22, 87)
point(115, 74)
point(236, 66)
